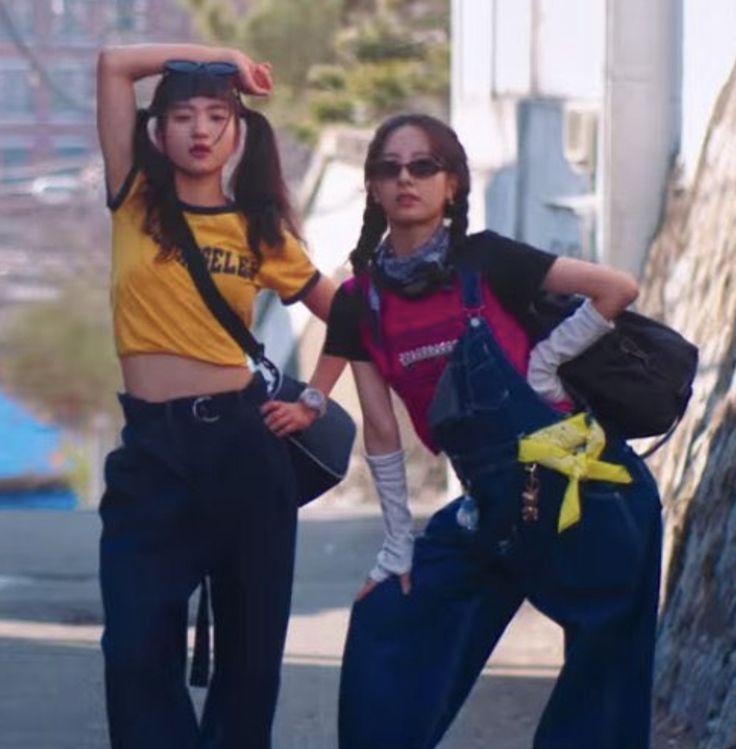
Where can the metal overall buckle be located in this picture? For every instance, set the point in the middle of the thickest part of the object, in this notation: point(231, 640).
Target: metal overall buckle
point(201, 410)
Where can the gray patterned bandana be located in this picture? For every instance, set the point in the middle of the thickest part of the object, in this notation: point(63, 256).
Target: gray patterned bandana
point(419, 274)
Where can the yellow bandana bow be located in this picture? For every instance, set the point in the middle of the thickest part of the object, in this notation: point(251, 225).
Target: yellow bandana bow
point(572, 447)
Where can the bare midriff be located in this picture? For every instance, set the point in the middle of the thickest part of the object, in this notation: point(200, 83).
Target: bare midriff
point(162, 377)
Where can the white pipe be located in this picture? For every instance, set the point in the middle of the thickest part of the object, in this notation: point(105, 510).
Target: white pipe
point(640, 123)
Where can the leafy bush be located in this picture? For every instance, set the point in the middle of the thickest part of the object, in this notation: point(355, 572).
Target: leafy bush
point(59, 356)
point(332, 108)
point(327, 78)
point(340, 60)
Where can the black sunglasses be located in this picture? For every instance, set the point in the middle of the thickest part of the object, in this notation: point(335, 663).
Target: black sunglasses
point(422, 168)
point(208, 68)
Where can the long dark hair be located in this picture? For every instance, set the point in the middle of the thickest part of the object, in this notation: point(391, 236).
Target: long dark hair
point(447, 148)
point(260, 192)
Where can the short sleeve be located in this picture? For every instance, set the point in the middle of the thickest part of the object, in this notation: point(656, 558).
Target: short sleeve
point(343, 336)
point(515, 270)
point(132, 186)
point(288, 271)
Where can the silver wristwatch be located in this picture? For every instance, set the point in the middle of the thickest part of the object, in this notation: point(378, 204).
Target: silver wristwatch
point(314, 399)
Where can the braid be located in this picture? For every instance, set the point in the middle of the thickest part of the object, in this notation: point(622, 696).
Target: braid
point(374, 227)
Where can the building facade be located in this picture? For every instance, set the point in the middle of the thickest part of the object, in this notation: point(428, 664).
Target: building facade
point(48, 51)
point(575, 111)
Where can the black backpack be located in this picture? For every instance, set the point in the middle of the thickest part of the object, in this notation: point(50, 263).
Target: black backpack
point(636, 380)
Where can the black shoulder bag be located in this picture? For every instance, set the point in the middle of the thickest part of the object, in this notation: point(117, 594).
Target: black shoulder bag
point(637, 379)
point(320, 455)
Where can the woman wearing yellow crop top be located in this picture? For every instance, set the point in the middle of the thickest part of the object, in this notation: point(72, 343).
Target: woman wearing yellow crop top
point(200, 485)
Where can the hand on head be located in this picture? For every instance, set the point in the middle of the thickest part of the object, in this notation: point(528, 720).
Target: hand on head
point(255, 78)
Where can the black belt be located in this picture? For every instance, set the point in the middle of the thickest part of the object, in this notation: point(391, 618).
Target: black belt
point(195, 408)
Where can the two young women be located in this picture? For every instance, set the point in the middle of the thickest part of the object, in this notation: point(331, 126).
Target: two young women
point(200, 486)
point(441, 319)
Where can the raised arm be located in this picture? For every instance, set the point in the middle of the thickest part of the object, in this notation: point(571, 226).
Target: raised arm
point(610, 290)
point(118, 68)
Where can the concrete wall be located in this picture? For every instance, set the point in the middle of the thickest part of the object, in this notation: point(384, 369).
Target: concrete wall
point(546, 216)
point(514, 64)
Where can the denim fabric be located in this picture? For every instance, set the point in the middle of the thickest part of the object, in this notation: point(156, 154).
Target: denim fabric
point(413, 659)
point(195, 490)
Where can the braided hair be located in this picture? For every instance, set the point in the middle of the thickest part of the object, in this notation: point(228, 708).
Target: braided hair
point(447, 148)
point(260, 193)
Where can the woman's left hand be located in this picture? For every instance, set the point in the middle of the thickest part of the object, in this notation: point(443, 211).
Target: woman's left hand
point(255, 78)
point(283, 418)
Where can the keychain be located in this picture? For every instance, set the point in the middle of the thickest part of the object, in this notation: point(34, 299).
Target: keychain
point(530, 495)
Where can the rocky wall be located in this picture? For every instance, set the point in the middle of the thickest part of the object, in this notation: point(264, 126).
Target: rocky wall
point(690, 282)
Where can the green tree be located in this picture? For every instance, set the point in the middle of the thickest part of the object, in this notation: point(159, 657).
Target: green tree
point(352, 61)
point(291, 34)
point(294, 35)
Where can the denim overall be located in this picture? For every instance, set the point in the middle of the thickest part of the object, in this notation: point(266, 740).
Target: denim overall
point(411, 660)
point(200, 487)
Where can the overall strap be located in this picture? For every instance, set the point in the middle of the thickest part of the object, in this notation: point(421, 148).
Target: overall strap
point(472, 291)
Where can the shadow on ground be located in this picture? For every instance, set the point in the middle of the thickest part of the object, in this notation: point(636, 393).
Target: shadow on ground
point(51, 693)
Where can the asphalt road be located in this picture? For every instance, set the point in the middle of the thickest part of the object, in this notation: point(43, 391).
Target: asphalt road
point(51, 694)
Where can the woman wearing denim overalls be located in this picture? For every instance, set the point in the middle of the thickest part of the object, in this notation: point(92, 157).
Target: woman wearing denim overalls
point(200, 486)
point(555, 511)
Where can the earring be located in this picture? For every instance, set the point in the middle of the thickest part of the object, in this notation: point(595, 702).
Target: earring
point(152, 131)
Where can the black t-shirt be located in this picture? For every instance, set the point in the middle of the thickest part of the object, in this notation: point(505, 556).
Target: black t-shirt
point(514, 270)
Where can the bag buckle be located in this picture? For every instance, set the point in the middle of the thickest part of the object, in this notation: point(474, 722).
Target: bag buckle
point(272, 376)
point(201, 410)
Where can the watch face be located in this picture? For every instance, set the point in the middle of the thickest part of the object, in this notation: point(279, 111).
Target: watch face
point(312, 398)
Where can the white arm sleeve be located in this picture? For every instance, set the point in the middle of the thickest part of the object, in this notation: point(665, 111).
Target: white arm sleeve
point(389, 476)
point(570, 338)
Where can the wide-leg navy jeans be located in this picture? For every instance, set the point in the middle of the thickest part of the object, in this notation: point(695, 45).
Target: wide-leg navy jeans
point(199, 487)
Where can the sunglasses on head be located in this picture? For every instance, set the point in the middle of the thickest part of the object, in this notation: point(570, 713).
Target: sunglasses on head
point(207, 68)
point(420, 168)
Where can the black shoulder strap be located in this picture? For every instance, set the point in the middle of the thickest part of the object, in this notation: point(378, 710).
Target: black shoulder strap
point(216, 303)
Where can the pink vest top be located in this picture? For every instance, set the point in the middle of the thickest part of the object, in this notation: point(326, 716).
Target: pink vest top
point(416, 337)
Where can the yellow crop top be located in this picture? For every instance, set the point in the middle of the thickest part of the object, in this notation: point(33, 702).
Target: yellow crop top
point(157, 308)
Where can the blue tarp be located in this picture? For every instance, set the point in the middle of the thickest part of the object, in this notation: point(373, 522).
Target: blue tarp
point(30, 447)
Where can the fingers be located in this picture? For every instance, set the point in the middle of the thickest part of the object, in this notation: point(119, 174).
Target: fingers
point(263, 78)
point(278, 418)
point(256, 78)
point(284, 418)
point(369, 586)
point(405, 582)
